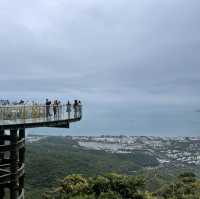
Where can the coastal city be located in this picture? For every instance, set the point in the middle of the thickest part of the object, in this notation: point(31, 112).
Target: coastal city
point(167, 150)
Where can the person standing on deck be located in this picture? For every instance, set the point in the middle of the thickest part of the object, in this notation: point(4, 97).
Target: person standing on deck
point(75, 106)
point(48, 104)
point(59, 109)
point(69, 106)
point(55, 108)
point(79, 108)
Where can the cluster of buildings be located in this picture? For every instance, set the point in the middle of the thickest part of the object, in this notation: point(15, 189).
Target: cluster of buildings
point(176, 150)
point(167, 150)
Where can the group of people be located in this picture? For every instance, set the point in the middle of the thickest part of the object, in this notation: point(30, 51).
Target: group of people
point(7, 102)
point(18, 102)
point(57, 107)
point(4, 102)
point(77, 106)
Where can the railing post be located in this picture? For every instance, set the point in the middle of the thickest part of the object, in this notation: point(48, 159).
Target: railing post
point(2, 133)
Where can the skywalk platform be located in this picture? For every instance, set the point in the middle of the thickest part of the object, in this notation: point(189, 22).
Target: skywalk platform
point(13, 122)
point(36, 116)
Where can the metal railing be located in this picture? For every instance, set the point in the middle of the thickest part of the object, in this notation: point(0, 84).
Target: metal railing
point(41, 112)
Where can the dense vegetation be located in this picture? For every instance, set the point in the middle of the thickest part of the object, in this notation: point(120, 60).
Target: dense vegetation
point(108, 186)
point(114, 186)
point(50, 159)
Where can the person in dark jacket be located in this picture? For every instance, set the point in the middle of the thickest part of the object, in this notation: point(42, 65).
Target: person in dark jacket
point(69, 109)
point(48, 104)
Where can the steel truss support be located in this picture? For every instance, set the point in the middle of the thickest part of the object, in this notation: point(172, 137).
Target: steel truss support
point(12, 156)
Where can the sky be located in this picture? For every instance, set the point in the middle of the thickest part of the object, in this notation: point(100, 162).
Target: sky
point(133, 63)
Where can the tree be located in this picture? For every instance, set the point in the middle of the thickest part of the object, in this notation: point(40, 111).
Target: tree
point(185, 187)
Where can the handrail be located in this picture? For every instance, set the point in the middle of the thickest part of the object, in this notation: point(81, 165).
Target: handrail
point(26, 105)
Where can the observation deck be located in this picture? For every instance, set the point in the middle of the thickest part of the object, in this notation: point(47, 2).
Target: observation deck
point(24, 116)
point(13, 122)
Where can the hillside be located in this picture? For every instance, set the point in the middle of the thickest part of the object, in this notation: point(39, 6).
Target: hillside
point(50, 159)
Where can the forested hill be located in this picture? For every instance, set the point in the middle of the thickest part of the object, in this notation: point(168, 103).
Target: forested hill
point(57, 156)
point(50, 159)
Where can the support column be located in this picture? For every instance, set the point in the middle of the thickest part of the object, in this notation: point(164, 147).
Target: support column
point(14, 165)
point(2, 133)
point(22, 150)
point(21, 160)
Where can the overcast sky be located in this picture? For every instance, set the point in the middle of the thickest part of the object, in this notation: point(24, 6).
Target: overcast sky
point(131, 62)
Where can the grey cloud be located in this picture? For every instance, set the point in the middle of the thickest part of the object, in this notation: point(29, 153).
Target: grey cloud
point(105, 52)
